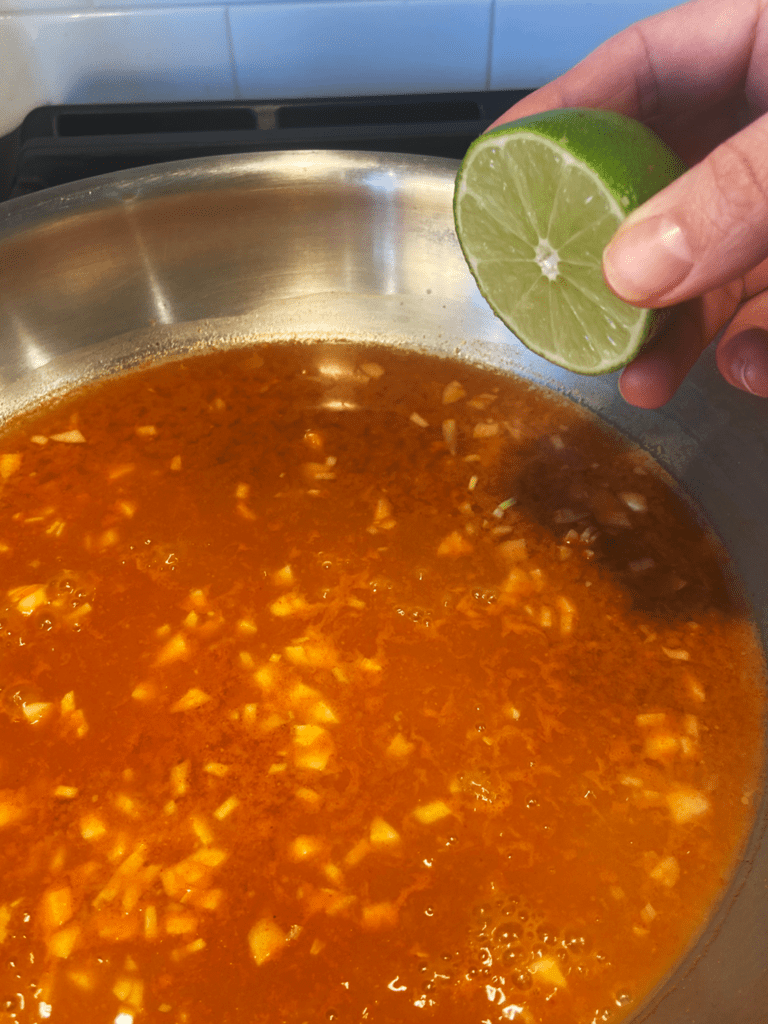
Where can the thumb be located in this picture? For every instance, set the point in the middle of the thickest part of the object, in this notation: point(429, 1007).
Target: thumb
point(742, 352)
point(707, 228)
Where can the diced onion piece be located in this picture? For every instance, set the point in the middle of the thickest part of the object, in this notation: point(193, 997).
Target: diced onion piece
point(687, 805)
point(146, 430)
point(250, 712)
point(661, 746)
point(485, 430)
point(356, 854)
point(56, 908)
point(210, 899)
point(676, 654)
point(369, 665)
point(92, 827)
point(307, 735)
point(379, 915)
point(548, 970)
point(225, 809)
point(287, 605)
point(266, 939)
point(317, 947)
point(175, 649)
point(28, 598)
point(308, 796)
point(382, 835)
point(694, 688)
point(211, 856)
point(202, 829)
point(634, 501)
point(647, 914)
point(320, 712)
point(453, 392)
point(180, 923)
point(691, 726)
point(151, 929)
point(374, 371)
point(512, 550)
point(126, 805)
point(427, 814)
point(567, 610)
point(284, 577)
point(82, 979)
point(418, 420)
point(650, 719)
point(454, 546)
point(9, 464)
point(216, 768)
point(314, 471)
point(65, 792)
point(304, 848)
point(62, 942)
point(180, 778)
point(69, 437)
point(315, 760)
point(126, 508)
point(108, 539)
point(192, 699)
point(339, 903)
point(37, 711)
point(265, 676)
point(666, 872)
point(399, 746)
point(450, 435)
point(5, 920)
point(333, 873)
point(144, 691)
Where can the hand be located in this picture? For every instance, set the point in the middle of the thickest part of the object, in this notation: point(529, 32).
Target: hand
point(697, 75)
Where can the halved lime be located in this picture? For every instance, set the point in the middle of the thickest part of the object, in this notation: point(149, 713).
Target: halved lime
point(536, 202)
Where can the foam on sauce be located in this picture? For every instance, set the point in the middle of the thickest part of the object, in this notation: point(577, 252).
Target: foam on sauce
point(346, 685)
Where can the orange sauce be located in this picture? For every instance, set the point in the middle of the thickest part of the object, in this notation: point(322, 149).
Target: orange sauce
point(345, 685)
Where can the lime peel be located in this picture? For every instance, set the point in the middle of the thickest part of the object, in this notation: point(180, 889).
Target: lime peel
point(535, 204)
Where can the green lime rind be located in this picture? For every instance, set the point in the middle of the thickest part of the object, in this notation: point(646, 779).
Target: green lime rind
point(561, 181)
point(630, 158)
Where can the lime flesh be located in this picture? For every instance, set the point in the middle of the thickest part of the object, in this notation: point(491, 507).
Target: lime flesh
point(536, 203)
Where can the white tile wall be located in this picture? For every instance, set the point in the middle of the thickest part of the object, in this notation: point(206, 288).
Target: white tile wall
point(91, 51)
point(535, 42)
point(340, 48)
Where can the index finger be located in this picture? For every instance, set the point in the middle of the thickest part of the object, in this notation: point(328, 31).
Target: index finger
point(683, 60)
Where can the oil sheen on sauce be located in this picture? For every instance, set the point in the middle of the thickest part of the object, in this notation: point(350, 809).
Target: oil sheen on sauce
point(346, 685)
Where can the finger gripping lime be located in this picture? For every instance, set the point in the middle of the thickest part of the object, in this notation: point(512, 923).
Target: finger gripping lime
point(535, 204)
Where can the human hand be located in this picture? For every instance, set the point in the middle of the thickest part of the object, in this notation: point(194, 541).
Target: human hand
point(697, 75)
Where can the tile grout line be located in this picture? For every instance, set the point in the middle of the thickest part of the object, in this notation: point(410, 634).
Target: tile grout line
point(491, 30)
point(231, 49)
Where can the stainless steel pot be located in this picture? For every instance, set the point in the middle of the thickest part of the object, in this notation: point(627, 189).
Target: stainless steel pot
point(361, 246)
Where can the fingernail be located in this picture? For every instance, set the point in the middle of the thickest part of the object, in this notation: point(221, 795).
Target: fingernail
point(646, 260)
point(747, 355)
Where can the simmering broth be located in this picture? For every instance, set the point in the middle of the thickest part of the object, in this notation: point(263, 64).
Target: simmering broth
point(355, 686)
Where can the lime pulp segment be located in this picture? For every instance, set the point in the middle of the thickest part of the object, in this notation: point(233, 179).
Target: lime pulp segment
point(533, 221)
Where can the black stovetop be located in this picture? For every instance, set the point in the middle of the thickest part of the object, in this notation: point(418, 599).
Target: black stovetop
point(57, 145)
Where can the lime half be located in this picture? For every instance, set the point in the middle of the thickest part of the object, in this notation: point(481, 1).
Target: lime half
point(536, 202)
